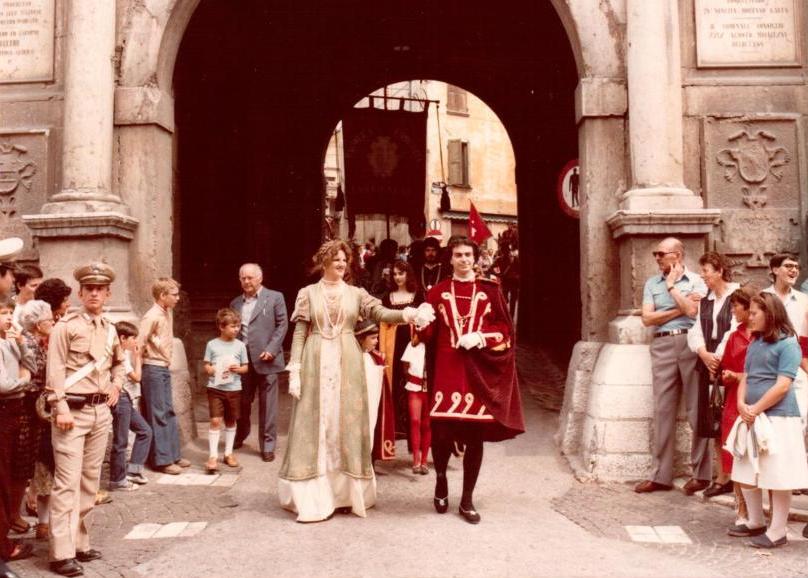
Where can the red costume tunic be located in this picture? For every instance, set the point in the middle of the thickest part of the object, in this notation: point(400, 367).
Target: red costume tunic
point(477, 385)
point(733, 360)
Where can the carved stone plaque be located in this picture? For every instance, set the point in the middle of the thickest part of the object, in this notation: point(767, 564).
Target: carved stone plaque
point(751, 163)
point(26, 40)
point(24, 178)
point(735, 33)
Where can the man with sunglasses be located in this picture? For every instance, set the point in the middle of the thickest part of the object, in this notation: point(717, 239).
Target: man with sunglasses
point(784, 268)
point(669, 305)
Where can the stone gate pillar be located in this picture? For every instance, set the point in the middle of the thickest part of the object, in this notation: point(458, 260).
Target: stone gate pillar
point(616, 434)
point(87, 220)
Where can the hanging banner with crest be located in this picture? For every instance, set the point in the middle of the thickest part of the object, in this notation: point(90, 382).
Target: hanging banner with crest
point(385, 162)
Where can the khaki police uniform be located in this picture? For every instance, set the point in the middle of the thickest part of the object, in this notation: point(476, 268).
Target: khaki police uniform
point(77, 340)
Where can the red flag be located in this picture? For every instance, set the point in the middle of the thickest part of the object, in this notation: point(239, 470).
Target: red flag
point(478, 230)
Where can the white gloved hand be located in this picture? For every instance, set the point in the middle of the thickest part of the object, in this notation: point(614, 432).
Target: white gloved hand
point(470, 340)
point(294, 379)
point(409, 314)
point(424, 316)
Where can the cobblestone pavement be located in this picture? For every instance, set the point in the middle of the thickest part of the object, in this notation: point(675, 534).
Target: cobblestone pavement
point(537, 521)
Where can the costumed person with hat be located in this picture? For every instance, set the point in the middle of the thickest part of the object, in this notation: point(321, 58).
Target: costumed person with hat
point(472, 361)
point(430, 270)
point(85, 375)
point(380, 399)
point(11, 406)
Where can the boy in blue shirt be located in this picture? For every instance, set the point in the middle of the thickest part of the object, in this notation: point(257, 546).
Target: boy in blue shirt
point(225, 361)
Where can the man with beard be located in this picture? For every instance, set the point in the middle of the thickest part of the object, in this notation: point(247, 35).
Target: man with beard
point(472, 372)
point(431, 270)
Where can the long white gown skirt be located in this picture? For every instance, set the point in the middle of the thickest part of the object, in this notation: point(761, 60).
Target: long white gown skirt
point(316, 499)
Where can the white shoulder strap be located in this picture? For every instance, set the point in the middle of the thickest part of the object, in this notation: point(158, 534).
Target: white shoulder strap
point(76, 377)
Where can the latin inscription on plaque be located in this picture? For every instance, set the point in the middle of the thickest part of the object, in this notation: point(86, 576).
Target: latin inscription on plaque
point(734, 33)
point(26, 40)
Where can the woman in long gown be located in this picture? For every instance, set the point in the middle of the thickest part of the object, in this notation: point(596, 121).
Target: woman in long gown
point(327, 464)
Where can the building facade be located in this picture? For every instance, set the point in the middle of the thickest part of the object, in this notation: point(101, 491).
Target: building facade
point(689, 120)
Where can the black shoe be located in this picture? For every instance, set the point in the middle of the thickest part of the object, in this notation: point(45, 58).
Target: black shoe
point(67, 567)
point(441, 504)
point(717, 489)
point(471, 516)
point(20, 551)
point(88, 556)
point(744, 531)
point(6, 572)
point(763, 541)
point(344, 510)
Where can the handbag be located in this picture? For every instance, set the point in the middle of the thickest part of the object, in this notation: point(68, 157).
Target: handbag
point(715, 408)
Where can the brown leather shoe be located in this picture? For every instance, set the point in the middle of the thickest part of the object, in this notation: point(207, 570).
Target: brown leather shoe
point(693, 485)
point(42, 531)
point(231, 461)
point(649, 486)
point(268, 456)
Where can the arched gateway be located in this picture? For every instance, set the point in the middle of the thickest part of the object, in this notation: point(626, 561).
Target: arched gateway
point(101, 132)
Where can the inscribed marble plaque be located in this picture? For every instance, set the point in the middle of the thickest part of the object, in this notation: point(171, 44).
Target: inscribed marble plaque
point(26, 40)
point(736, 33)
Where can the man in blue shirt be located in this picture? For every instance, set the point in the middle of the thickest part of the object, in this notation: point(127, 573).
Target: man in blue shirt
point(669, 305)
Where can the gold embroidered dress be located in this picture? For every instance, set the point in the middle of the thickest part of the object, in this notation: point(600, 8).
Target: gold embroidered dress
point(327, 464)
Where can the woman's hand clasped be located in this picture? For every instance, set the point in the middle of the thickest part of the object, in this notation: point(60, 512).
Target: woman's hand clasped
point(747, 413)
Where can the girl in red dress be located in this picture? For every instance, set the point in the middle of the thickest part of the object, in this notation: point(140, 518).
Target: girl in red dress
point(732, 367)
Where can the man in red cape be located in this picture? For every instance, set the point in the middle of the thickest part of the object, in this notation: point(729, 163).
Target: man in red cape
point(472, 368)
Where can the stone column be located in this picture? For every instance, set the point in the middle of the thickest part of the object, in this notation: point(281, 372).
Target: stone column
point(86, 220)
point(88, 110)
point(655, 108)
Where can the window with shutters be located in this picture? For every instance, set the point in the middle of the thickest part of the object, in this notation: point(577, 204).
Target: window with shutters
point(456, 100)
point(459, 163)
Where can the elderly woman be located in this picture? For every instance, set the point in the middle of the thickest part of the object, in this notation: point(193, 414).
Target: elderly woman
point(769, 420)
point(327, 465)
point(35, 448)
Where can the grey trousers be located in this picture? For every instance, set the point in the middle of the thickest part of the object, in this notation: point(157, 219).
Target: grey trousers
point(674, 374)
point(266, 387)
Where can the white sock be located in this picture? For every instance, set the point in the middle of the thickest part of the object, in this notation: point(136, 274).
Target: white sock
point(229, 440)
point(43, 509)
point(781, 502)
point(213, 442)
point(754, 506)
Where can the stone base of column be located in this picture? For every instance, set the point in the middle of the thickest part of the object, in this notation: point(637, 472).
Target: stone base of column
point(68, 240)
point(607, 424)
point(653, 198)
point(79, 201)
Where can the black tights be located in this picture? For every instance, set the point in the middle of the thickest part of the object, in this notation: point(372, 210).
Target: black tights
point(472, 460)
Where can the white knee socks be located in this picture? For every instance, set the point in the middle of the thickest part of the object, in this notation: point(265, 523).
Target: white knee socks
point(213, 442)
point(229, 440)
point(781, 502)
point(754, 506)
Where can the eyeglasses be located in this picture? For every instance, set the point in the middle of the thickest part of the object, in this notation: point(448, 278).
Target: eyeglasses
point(660, 254)
point(790, 266)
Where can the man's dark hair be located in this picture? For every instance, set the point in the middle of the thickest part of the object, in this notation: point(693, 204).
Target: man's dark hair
point(126, 329)
point(431, 242)
point(777, 261)
point(462, 240)
point(25, 273)
point(6, 267)
point(53, 292)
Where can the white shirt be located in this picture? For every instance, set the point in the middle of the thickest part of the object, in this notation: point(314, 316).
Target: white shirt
point(796, 304)
point(247, 311)
point(695, 337)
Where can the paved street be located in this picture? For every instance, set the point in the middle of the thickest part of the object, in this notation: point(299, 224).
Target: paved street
point(537, 521)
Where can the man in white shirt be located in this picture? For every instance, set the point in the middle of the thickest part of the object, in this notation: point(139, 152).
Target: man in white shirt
point(784, 268)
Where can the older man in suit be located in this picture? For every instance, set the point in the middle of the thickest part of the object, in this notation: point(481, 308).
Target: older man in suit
point(263, 327)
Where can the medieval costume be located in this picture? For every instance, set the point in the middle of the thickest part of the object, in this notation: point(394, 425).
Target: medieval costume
point(327, 464)
point(380, 398)
point(393, 340)
point(475, 391)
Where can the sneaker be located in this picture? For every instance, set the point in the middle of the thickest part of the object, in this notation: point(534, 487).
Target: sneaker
point(124, 486)
point(172, 469)
point(183, 463)
point(137, 478)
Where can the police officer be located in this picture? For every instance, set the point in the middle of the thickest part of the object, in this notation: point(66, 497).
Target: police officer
point(85, 375)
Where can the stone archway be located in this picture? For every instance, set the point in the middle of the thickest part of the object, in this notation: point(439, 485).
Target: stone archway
point(149, 36)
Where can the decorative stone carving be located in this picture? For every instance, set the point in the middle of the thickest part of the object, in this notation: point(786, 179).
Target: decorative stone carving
point(16, 169)
point(750, 158)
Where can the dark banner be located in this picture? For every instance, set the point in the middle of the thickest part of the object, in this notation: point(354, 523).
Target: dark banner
point(385, 162)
